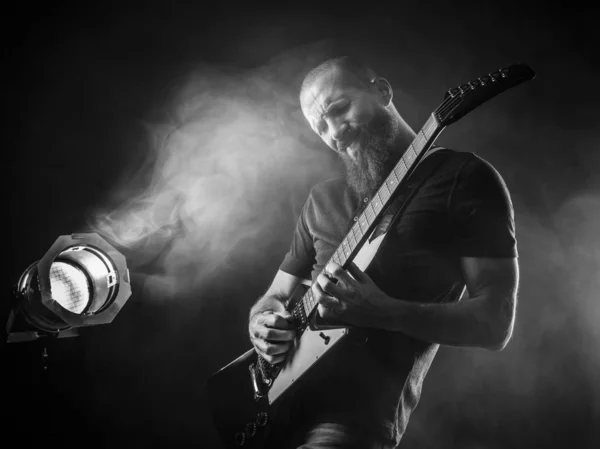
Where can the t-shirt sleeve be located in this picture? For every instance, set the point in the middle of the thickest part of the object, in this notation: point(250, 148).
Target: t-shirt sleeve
point(481, 212)
point(300, 257)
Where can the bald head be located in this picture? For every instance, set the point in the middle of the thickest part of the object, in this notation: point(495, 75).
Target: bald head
point(353, 69)
point(350, 108)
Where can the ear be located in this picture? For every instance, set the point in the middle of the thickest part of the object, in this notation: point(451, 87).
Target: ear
point(384, 91)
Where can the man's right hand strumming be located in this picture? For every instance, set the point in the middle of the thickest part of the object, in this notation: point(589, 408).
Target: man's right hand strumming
point(272, 334)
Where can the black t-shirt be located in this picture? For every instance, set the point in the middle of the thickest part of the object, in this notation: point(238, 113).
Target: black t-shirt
point(463, 209)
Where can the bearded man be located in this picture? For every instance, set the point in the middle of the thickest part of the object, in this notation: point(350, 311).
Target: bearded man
point(456, 233)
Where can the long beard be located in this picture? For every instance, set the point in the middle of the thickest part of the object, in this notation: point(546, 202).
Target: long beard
point(375, 159)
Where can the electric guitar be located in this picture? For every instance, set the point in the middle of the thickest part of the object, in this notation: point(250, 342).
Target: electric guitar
point(246, 397)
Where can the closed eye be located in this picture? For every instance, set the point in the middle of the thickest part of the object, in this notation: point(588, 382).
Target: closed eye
point(338, 109)
point(333, 111)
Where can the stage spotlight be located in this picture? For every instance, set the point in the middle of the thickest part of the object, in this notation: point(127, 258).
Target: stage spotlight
point(81, 281)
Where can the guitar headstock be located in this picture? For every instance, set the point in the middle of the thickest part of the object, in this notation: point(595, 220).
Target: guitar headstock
point(464, 98)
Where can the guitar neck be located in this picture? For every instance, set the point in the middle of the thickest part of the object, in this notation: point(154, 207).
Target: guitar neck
point(367, 219)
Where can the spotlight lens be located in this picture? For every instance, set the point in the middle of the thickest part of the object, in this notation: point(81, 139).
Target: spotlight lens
point(69, 287)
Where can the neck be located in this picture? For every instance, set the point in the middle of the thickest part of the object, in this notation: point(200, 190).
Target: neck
point(403, 135)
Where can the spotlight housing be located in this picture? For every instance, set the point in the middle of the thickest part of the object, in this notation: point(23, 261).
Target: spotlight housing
point(81, 281)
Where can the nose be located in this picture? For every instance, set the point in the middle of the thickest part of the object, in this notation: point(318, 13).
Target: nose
point(338, 130)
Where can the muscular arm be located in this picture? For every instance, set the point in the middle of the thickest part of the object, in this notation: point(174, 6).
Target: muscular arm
point(275, 297)
point(485, 319)
point(270, 325)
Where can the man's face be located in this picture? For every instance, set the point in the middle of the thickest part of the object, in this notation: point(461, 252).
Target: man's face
point(351, 119)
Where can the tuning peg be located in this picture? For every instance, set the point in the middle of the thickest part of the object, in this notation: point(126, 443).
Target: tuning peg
point(454, 92)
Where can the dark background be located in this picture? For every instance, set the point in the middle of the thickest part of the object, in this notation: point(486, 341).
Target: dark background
point(173, 129)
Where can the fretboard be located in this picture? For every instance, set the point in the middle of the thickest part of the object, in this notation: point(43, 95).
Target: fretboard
point(365, 222)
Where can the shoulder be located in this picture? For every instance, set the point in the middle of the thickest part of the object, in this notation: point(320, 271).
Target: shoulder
point(330, 187)
point(466, 164)
point(328, 192)
point(451, 156)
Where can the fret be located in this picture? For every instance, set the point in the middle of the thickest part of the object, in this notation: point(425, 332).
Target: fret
point(342, 258)
point(395, 178)
point(418, 140)
point(369, 215)
point(311, 297)
point(359, 226)
point(430, 127)
point(410, 156)
point(344, 245)
point(357, 231)
point(424, 136)
point(352, 236)
point(427, 130)
point(420, 144)
point(401, 166)
point(343, 253)
point(386, 192)
point(307, 301)
point(373, 211)
point(351, 241)
point(376, 202)
point(366, 221)
point(306, 308)
point(336, 257)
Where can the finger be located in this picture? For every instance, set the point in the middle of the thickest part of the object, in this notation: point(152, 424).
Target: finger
point(331, 303)
point(338, 272)
point(329, 271)
point(329, 287)
point(276, 320)
point(272, 359)
point(345, 277)
point(319, 293)
point(286, 315)
point(272, 334)
point(328, 314)
point(274, 355)
point(332, 267)
point(358, 274)
point(266, 348)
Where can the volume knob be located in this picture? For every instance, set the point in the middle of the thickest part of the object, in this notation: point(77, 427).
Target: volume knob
point(240, 438)
point(262, 418)
point(250, 429)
